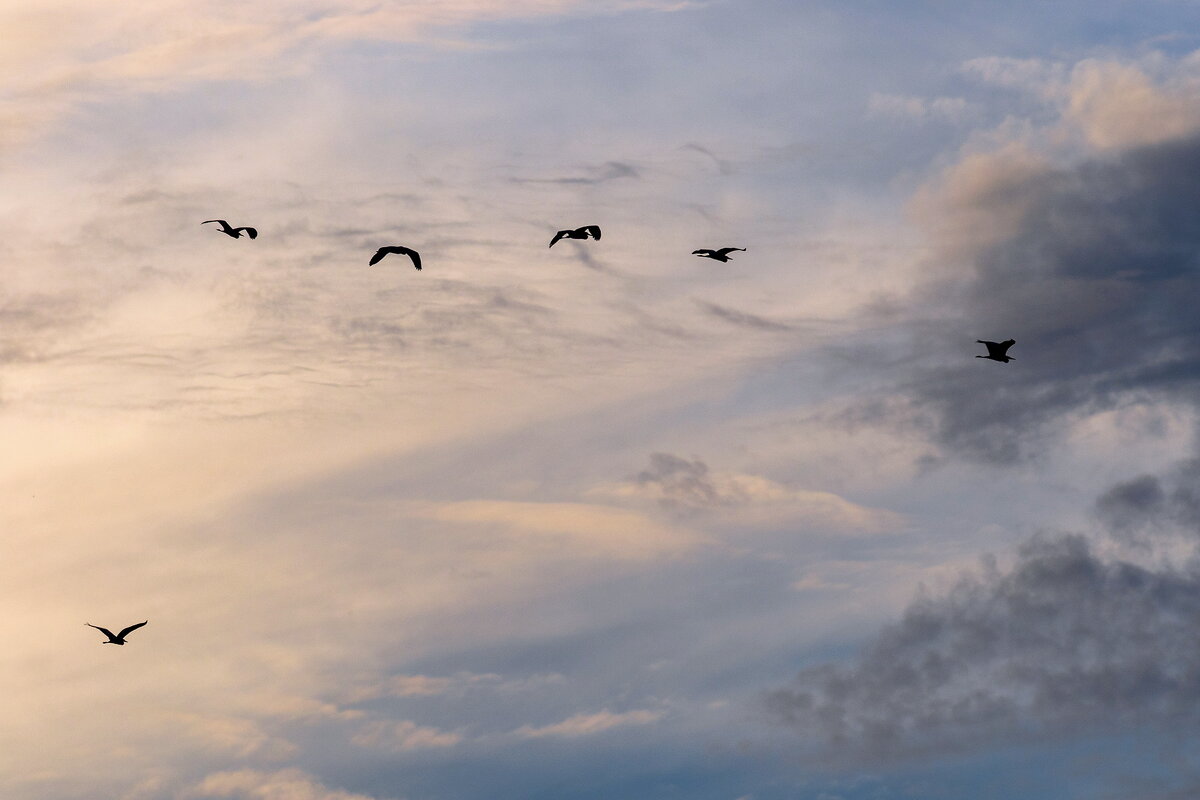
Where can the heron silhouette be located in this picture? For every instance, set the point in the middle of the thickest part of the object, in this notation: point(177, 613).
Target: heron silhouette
point(717, 255)
point(579, 233)
point(229, 230)
point(118, 638)
point(998, 351)
point(401, 251)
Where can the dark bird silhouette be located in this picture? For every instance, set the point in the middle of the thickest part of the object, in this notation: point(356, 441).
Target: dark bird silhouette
point(228, 230)
point(401, 251)
point(717, 255)
point(120, 637)
point(578, 233)
point(998, 351)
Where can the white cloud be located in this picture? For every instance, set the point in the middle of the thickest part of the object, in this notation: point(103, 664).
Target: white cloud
point(949, 109)
point(65, 51)
point(404, 736)
point(588, 724)
point(568, 527)
point(250, 784)
point(728, 498)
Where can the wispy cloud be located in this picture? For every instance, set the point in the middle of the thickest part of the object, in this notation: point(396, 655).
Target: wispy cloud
point(589, 724)
point(404, 736)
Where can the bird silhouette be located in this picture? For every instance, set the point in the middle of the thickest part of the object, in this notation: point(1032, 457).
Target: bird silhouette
point(229, 230)
point(118, 638)
point(717, 255)
point(402, 251)
point(998, 351)
point(578, 233)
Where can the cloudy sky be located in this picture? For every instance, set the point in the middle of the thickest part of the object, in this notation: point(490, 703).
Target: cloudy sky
point(607, 520)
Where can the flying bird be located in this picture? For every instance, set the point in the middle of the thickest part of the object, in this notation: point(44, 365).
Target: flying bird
point(578, 233)
point(717, 255)
point(120, 637)
point(401, 251)
point(998, 351)
point(229, 230)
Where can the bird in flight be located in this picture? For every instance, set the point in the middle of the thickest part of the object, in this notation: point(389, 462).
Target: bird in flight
point(717, 255)
point(402, 251)
point(118, 638)
point(578, 233)
point(998, 351)
point(229, 230)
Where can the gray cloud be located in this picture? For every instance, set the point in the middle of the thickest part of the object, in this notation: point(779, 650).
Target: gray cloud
point(1137, 509)
point(679, 481)
point(608, 171)
point(1064, 641)
point(743, 318)
point(1097, 282)
point(723, 166)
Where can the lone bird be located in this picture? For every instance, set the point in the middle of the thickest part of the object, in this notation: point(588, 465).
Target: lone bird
point(998, 351)
point(400, 251)
point(717, 255)
point(229, 230)
point(120, 637)
point(578, 233)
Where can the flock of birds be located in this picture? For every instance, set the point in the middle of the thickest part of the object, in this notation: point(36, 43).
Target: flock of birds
point(996, 351)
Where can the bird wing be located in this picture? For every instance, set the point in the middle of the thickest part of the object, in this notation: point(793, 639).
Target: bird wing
point(1003, 346)
point(220, 222)
point(558, 236)
point(130, 630)
point(995, 349)
point(105, 631)
point(379, 254)
point(702, 252)
point(594, 230)
point(727, 250)
point(251, 232)
point(415, 256)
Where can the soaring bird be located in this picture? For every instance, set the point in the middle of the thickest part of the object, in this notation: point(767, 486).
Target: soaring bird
point(578, 233)
point(120, 637)
point(717, 255)
point(229, 230)
point(401, 251)
point(998, 351)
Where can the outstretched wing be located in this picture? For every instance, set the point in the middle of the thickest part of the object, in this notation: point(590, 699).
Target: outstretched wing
point(997, 349)
point(126, 631)
point(105, 631)
point(379, 254)
point(724, 251)
point(592, 230)
point(220, 222)
point(707, 253)
point(558, 236)
point(251, 232)
point(415, 256)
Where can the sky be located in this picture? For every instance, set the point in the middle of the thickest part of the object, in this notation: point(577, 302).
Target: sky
point(604, 520)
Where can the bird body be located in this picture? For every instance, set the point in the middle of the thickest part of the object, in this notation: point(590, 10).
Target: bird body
point(717, 255)
point(118, 638)
point(579, 233)
point(229, 230)
point(998, 351)
point(403, 251)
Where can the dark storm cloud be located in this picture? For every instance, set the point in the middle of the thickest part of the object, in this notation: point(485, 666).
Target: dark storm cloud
point(1063, 642)
point(1098, 284)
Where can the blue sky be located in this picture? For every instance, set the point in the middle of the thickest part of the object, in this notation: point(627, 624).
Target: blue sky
point(601, 520)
